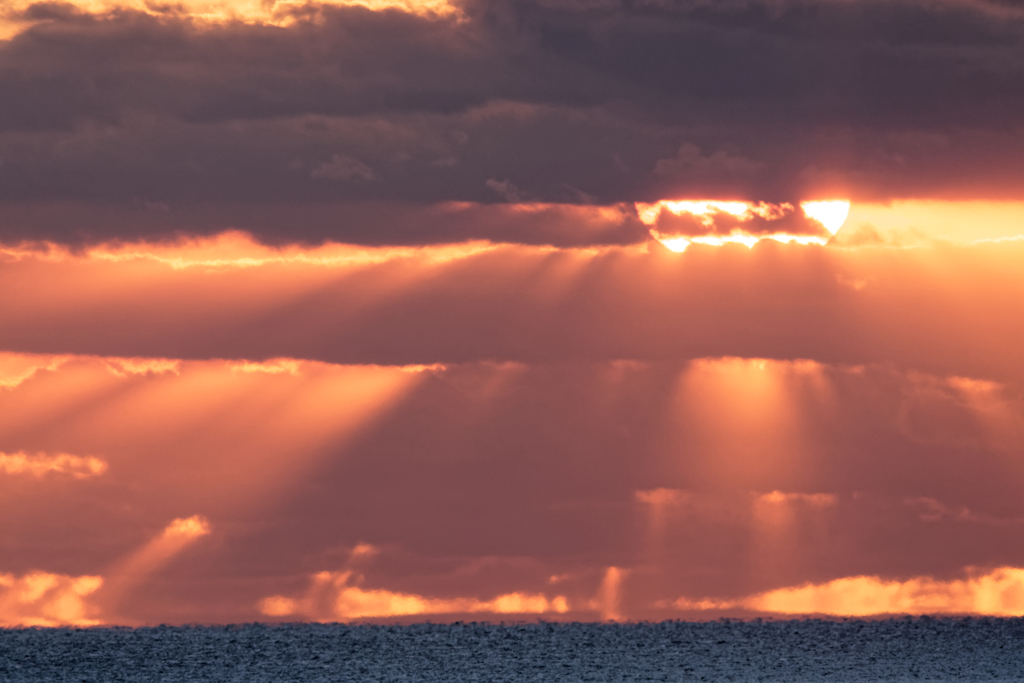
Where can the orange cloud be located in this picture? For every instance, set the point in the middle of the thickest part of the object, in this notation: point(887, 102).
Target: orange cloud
point(13, 18)
point(41, 464)
point(44, 599)
point(708, 213)
point(332, 596)
point(705, 210)
point(41, 598)
point(733, 453)
point(999, 592)
point(142, 366)
point(16, 368)
point(761, 303)
point(661, 496)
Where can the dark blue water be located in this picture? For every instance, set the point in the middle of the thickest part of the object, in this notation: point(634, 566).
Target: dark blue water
point(895, 650)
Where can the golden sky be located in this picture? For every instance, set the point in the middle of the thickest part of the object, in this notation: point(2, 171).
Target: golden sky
point(509, 309)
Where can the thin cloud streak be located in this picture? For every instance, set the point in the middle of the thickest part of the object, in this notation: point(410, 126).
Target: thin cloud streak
point(41, 464)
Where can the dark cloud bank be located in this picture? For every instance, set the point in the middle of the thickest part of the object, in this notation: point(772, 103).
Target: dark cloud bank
point(128, 125)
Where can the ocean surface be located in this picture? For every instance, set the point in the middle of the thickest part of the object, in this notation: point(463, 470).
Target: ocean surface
point(808, 650)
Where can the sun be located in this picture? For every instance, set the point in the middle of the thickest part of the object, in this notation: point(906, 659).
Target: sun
point(832, 214)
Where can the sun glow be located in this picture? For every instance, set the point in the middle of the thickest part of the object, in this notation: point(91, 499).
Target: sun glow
point(679, 244)
point(709, 212)
point(832, 214)
point(707, 208)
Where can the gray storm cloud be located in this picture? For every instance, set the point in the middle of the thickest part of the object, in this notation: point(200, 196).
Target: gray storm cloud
point(567, 102)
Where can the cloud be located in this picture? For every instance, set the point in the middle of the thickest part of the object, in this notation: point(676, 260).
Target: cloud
point(332, 597)
point(142, 366)
point(42, 464)
point(40, 598)
point(44, 599)
point(999, 592)
point(342, 167)
point(505, 189)
point(19, 15)
point(382, 275)
point(371, 224)
point(196, 112)
point(679, 223)
point(16, 368)
point(724, 422)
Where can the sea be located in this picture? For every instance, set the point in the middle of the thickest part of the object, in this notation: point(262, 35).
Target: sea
point(907, 649)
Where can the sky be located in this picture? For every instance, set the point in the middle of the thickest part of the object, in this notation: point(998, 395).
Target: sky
point(400, 310)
